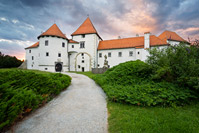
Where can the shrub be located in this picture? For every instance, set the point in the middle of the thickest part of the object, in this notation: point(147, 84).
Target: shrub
point(137, 83)
point(22, 92)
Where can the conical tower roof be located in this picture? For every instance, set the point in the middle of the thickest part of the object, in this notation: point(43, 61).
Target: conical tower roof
point(53, 31)
point(85, 28)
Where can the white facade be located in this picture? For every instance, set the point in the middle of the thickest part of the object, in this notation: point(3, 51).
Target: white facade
point(47, 55)
point(56, 53)
point(32, 58)
point(83, 58)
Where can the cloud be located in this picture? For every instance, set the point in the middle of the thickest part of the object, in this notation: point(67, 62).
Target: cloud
point(15, 21)
point(3, 19)
point(14, 47)
point(111, 18)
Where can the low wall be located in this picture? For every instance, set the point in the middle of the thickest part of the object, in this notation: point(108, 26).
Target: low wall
point(99, 70)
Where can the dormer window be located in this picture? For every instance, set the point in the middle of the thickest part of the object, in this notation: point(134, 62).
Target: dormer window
point(46, 43)
point(83, 35)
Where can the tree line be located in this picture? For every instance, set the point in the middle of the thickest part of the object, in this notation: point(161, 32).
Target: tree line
point(7, 61)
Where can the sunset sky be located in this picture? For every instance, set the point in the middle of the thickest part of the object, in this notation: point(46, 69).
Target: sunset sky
point(22, 21)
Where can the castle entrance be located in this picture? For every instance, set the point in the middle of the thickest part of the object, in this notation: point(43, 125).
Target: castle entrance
point(58, 67)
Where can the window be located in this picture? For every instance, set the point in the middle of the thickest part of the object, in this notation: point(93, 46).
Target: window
point(100, 55)
point(83, 36)
point(29, 51)
point(46, 68)
point(59, 54)
point(138, 52)
point(82, 54)
point(82, 44)
point(63, 44)
point(109, 54)
point(82, 61)
point(47, 54)
point(32, 57)
point(72, 46)
point(130, 53)
point(46, 43)
point(78, 66)
point(119, 54)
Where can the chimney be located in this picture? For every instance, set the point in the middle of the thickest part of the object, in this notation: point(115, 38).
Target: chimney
point(147, 40)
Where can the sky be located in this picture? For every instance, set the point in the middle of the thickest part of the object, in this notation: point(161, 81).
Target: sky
point(22, 21)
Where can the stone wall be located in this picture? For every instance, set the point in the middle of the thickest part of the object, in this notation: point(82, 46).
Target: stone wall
point(99, 70)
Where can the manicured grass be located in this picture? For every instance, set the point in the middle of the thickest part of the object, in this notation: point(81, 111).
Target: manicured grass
point(129, 118)
point(124, 118)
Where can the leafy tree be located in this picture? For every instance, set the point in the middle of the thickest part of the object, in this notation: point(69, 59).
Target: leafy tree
point(178, 64)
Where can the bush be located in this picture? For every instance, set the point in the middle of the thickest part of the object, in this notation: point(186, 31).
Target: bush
point(133, 83)
point(22, 92)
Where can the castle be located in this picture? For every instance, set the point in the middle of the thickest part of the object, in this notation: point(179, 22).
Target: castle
point(86, 50)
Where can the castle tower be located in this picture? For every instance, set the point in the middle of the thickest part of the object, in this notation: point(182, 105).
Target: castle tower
point(52, 52)
point(85, 55)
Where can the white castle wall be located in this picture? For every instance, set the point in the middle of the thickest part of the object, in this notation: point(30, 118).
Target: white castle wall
point(90, 52)
point(54, 47)
point(32, 63)
point(114, 59)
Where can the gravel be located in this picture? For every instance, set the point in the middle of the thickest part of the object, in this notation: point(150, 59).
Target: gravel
point(81, 108)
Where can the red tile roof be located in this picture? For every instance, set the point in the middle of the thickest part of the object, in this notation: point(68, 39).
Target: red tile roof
point(53, 31)
point(86, 27)
point(72, 41)
point(170, 35)
point(133, 42)
point(34, 45)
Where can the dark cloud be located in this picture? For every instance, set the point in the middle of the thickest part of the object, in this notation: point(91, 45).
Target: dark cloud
point(34, 3)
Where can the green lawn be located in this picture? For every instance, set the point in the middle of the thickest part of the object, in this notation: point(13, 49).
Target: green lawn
point(125, 118)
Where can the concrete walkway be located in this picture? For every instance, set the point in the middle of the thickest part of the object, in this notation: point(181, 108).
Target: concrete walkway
point(79, 109)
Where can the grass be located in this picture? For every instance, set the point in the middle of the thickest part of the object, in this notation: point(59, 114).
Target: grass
point(124, 118)
point(127, 118)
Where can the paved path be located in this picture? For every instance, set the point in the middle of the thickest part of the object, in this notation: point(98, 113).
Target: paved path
point(79, 109)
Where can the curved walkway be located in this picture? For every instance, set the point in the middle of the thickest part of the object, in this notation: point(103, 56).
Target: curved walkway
point(79, 109)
